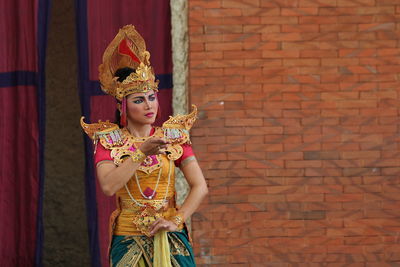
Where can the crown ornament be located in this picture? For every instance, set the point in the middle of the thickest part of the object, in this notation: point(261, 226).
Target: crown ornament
point(127, 49)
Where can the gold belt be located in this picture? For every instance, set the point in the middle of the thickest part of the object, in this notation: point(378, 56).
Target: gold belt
point(131, 206)
point(135, 220)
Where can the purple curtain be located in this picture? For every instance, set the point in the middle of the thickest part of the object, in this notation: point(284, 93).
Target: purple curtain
point(23, 28)
point(98, 21)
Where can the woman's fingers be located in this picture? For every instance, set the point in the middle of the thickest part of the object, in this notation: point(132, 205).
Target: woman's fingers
point(154, 146)
point(162, 224)
point(158, 141)
point(157, 225)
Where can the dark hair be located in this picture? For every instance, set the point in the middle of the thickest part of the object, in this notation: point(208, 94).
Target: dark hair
point(122, 73)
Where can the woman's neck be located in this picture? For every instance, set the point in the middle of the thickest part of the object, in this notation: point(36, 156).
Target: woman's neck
point(139, 130)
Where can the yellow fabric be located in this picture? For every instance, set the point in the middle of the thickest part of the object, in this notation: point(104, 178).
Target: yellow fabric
point(161, 250)
point(142, 262)
point(124, 222)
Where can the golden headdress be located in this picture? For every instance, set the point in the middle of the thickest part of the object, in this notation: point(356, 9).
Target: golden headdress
point(128, 49)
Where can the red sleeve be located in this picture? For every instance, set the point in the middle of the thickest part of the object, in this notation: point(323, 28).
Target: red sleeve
point(101, 154)
point(187, 152)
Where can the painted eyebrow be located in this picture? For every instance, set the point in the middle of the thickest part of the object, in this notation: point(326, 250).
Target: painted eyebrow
point(142, 97)
point(138, 97)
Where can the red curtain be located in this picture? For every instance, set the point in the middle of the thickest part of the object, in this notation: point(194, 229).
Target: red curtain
point(23, 27)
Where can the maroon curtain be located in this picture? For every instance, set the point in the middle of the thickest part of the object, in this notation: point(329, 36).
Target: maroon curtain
point(23, 28)
point(98, 21)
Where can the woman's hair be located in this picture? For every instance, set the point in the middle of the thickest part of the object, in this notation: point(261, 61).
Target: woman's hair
point(122, 74)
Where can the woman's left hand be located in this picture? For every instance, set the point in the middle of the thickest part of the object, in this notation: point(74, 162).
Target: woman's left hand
point(162, 224)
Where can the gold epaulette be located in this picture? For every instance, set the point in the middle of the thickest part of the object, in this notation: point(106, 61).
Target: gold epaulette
point(176, 128)
point(109, 133)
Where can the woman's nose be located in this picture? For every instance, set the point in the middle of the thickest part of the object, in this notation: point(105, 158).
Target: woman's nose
point(148, 106)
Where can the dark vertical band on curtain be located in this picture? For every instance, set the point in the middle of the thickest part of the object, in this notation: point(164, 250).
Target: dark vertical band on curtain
point(43, 22)
point(84, 94)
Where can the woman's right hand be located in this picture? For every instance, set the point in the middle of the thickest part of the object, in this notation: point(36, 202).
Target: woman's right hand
point(154, 146)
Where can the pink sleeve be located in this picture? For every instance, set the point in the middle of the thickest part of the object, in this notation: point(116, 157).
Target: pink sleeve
point(101, 154)
point(187, 152)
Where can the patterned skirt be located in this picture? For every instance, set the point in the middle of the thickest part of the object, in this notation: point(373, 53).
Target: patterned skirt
point(138, 250)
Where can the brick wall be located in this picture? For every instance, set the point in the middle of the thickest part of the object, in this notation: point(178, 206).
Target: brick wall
point(299, 131)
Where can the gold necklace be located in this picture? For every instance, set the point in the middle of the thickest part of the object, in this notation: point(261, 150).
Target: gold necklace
point(166, 192)
point(155, 188)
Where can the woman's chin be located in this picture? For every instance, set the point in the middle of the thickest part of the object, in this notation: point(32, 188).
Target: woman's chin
point(149, 120)
point(142, 122)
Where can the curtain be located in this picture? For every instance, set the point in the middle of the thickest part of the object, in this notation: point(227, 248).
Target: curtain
point(23, 28)
point(98, 21)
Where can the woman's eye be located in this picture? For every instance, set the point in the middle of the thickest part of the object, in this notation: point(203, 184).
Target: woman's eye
point(138, 101)
point(152, 98)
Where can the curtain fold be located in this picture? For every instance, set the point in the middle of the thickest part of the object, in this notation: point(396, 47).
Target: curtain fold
point(98, 21)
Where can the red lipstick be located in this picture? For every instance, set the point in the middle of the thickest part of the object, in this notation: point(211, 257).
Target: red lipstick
point(149, 115)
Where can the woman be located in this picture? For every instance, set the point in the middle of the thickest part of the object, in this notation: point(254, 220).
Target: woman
point(136, 163)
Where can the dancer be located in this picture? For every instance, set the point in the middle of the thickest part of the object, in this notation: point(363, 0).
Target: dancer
point(136, 162)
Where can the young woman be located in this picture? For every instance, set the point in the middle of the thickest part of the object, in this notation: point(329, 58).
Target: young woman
point(136, 162)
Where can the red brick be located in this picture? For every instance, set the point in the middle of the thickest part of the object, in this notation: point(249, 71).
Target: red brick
point(298, 197)
point(278, 20)
point(280, 54)
point(284, 155)
point(355, 4)
point(301, 62)
point(303, 11)
point(224, 46)
point(224, 165)
point(303, 163)
point(317, 3)
point(324, 189)
point(318, 19)
point(346, 197)
point(264, 147)
point(361, 155)
point(223, 29)
point(240, 4)
point(284, 189)
point(222, 12)
point(300, 28)
point(212, 38)
point(194, 4)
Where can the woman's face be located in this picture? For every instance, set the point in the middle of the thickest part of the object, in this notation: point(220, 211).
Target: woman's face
point(142, 107)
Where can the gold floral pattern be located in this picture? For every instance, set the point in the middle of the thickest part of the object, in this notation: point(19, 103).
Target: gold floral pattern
point(141, 248)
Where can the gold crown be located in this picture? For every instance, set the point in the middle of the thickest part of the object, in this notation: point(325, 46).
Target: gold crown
point(128, 49)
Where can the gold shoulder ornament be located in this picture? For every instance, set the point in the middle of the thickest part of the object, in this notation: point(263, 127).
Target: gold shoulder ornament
point(106, 130)
point(109, 134)
point(176, 132)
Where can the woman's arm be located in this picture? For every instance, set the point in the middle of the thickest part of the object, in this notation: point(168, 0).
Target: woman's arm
point(113, 178)
point(198, 190)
